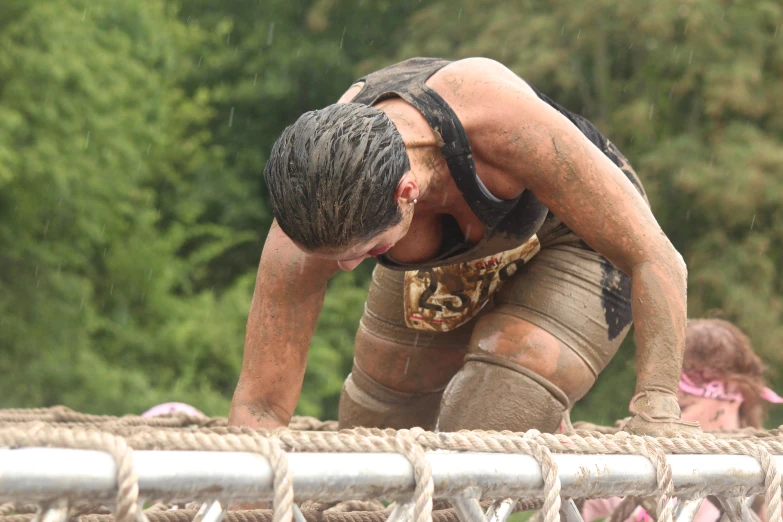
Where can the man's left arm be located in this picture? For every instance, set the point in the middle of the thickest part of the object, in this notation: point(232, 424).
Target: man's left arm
point(550, 156)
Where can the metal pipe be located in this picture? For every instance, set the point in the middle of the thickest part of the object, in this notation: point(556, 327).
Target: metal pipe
point(686, 509)
point(735, 509)
point(467, 506)
point(402, 512)
point(57, 511)
point(36, 474)
point(569, 512)
point(500, 510)
point(211, 512)
point(298, 516)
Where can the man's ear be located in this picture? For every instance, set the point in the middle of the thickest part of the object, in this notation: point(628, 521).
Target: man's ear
point(407, 190)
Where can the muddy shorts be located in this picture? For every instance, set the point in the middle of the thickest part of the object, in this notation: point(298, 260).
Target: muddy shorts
point(556, 282)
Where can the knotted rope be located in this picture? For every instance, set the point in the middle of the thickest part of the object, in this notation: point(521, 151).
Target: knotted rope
point(61, 427)
point(50, 436)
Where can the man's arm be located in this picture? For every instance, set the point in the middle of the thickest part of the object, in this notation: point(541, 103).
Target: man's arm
point(548, 155)
point(287, 300)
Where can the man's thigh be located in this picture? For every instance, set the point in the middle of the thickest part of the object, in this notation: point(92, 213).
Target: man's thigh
point(402, 358)
point(563, 315)
point(399, 374)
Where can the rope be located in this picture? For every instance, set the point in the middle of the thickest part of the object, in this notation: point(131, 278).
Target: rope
point(356, 505)
point(422, 507)
point(373, 441)
point(248, 441)
point(85, 508)
point(311, 424)
point(62, 427)
point(653, 451)
point(65, 415)
point(160, 506)
point(350, 511)
point(759, 448)
point(528, 444)
point(43, 435)
point(10, 507)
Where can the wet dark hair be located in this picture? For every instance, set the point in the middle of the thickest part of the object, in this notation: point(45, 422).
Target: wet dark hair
point(332, 176)
point(717, 350)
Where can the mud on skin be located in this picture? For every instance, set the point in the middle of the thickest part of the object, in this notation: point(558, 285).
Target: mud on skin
point(519, 145)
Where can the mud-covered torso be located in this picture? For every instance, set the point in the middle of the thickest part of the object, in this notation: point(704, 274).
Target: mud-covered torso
point(508, 224)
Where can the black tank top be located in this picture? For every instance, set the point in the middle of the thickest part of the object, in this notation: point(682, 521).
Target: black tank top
point(507, 223)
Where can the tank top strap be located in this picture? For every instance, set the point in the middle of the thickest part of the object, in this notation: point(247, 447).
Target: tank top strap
point(406, 80)
point(454, 144)
point(387, 82)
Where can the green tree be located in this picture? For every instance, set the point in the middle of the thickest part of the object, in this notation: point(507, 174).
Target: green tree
point(99, 149)
point(133, 136)
point(132, 210)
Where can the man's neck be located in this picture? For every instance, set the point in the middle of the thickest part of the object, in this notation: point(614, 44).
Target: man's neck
point(437, 191)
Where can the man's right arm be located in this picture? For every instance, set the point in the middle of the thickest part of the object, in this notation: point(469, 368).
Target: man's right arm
point(287, 300)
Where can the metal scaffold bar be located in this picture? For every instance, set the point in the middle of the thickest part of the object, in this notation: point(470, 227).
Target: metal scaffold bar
point(500, 510)
point(687, 509)
point(36, 474)
point(467, 506)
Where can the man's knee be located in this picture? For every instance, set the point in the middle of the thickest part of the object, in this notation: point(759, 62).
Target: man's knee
point(365, 402)
point(492, 393)
point(510, 338)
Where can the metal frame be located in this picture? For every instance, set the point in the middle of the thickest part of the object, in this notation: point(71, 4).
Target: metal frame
point(569, 512)
point(46, 475)
point(213, 512)
point(737, 509)
point(500, 510)
point(467, 506)
point(686, 510)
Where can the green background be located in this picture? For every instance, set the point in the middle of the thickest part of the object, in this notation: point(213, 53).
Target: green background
point(133, 137)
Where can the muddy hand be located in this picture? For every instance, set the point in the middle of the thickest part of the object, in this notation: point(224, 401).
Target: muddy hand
point(657, 414)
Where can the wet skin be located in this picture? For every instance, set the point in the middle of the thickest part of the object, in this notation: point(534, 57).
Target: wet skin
point(519, 142)
point(415, 369)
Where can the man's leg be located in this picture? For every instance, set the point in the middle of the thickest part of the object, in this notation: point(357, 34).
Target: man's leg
point(516, 377)
point(556, 324)
point(399, 374)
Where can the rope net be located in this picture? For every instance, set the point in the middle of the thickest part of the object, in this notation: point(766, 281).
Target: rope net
point(61, 427)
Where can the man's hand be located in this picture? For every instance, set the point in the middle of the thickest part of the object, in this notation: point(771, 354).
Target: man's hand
point(254, 415)
point(287, 299)
point(657, 414)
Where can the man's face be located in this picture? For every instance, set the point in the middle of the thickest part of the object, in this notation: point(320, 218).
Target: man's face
point(349, 258)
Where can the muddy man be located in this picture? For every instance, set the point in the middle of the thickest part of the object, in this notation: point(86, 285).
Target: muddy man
point(514, 247)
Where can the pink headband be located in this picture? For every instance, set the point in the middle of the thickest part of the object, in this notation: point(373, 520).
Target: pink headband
point(717, 390)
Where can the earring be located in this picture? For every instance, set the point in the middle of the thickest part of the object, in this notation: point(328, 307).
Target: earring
point(415, 201)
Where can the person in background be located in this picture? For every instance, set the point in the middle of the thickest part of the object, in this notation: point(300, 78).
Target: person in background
point(722, 387)
point(170, 408)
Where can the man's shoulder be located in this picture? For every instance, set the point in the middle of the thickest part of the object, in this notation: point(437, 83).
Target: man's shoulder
point(473, 67)
point(475, 81)
point(479, 90)
point(477, 68)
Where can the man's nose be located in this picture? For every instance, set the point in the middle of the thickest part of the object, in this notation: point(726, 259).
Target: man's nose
point(350, 264)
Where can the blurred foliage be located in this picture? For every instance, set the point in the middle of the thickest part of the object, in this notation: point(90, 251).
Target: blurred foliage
point(133, 136)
